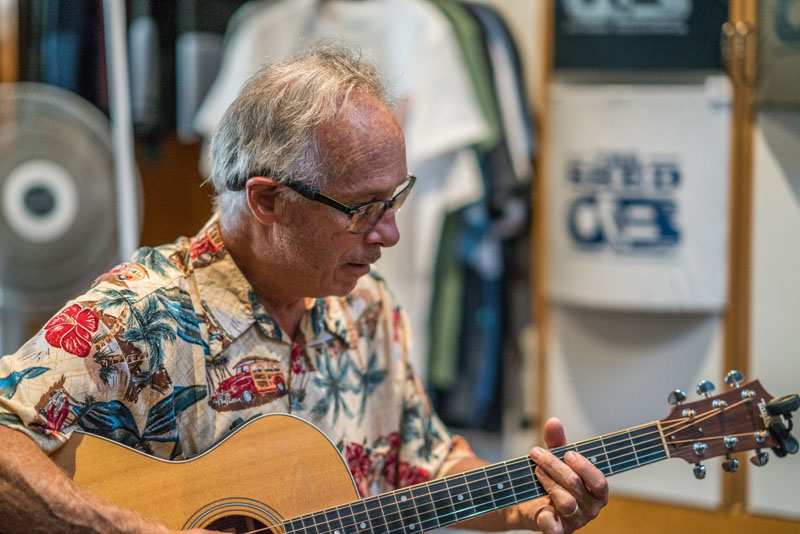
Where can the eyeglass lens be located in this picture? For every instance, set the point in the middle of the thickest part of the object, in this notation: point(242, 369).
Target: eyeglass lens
point(368, 216)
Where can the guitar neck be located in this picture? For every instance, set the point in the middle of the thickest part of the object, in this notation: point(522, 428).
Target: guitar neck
point(456, 498)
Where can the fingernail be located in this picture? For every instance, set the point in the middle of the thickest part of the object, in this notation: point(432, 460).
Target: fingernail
point(537, 452)
point(569, 456)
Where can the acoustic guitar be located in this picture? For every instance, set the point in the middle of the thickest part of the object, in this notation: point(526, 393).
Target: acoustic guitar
point(279, 474)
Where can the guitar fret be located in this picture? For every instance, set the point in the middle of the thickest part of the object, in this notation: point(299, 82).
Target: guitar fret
point(394, 522)
point(347, 519)
point(425, 506)
point(590, 452)
point(360, 516)
point(332, 520)
point(408, 512)
point(479, 490)
point(633, 447)
point(500, 485)
point(456, 489)
point(309, 525)
point(376, 516)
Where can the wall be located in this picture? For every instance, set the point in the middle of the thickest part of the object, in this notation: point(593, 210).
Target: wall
point(775, 301)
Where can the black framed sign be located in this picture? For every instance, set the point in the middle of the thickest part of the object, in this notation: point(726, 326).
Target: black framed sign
point(639, 34)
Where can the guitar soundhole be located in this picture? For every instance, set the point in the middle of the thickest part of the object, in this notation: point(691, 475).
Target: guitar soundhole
point(239, 524)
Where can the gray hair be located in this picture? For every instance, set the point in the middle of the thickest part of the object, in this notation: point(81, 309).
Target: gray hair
point(270, 128)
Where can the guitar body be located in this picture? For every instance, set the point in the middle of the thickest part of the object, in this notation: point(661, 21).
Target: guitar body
point(272, 468)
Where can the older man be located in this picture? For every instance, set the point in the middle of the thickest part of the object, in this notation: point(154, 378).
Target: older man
point(309, 170)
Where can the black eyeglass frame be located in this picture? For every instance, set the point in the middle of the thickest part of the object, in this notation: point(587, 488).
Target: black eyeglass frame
point(314, 194)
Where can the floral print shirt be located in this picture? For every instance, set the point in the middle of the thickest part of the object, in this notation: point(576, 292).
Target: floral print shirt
point(171, 352)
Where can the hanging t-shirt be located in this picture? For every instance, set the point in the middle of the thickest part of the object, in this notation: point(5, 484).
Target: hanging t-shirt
point(412, 45)
point(638, 198)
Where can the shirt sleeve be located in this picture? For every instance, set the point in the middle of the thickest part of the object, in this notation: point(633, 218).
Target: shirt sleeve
point(65, 378)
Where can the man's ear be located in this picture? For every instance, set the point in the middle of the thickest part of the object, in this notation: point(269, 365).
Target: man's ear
point(261, 194)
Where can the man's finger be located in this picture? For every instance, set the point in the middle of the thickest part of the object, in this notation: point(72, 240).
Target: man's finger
point(561, 473)
point(565, 503)
point(547, 522)
point(592, 477)
point(554, 434)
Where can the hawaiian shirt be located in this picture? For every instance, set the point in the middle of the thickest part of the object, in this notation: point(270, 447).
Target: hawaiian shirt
point(171, 352)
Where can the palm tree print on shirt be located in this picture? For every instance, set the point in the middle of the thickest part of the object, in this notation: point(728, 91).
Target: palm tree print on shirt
point(368, 381)
point(114, 420)
point(151, 330)
point(153, 260)
point(332, 381)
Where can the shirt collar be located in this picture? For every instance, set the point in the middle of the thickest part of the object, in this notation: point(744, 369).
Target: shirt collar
point(230, 298)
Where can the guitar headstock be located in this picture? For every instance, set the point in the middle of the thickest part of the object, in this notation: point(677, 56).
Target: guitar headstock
point(742, 419)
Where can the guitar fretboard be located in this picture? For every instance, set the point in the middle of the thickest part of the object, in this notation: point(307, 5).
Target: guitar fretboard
point(466, 495)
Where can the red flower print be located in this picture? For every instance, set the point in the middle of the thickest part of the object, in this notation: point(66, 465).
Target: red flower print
point(72, 329)
point(359, 464)
point(397, 323)
point(297, 361)
point(410, 475)
point(389, 470)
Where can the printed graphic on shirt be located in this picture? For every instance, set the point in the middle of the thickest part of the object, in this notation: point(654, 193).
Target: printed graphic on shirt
point(122, 274)
point(254, 381)
point(55, 409)
point(153, 260)
point(8, 384)
point(369, 463)
point(207, 248)
point(72, 329)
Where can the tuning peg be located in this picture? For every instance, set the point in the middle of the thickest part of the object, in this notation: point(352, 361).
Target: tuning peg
point(730, 465)
point(759, 458)
point(699, 471)
point(734, 378)
point(676, 397)
point(705, 388)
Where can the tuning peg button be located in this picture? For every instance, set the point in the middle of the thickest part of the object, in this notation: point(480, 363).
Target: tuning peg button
point(676, 397)
point(734, 378)
point(705, 388)
point(759, 458)
point(699, 471)
point(730, 465)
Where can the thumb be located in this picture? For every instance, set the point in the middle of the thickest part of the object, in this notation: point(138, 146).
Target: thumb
point(554, 433)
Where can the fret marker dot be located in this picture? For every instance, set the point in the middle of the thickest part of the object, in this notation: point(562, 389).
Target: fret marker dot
point(500, 486)
point(460, 497)
point(363, 526)
point(336, 532)
point(412, 526)
point(403, 498)
point(593, 459)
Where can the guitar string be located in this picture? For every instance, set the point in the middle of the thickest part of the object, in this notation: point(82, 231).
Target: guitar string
point(709, 414)
point(610, 460)
point(523, 459)
point(535, 487)
point(614, 460)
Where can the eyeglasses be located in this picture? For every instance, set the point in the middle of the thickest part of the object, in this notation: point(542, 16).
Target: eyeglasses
point(363, 217)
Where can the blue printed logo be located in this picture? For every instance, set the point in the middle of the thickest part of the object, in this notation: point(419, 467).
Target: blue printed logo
point(624, 204)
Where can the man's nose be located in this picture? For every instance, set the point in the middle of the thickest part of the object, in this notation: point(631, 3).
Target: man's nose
point(385, 233)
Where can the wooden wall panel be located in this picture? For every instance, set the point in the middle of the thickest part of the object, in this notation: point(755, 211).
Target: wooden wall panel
point(175, 201)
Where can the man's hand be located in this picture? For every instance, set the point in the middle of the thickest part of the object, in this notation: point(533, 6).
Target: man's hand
point(577, 489)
